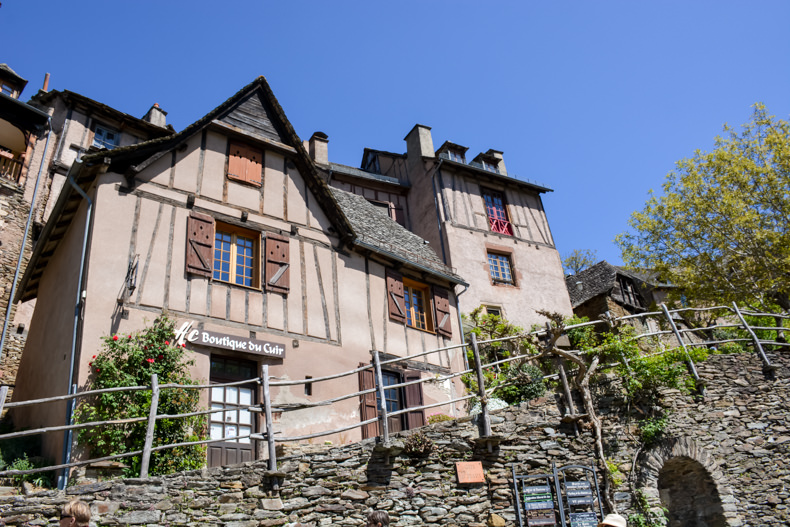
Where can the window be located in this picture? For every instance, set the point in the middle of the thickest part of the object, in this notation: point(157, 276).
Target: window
point(395, 399)
point(500, 269)
point(236, 255)
point(490, 166)
point(456, 156)
point(245, 163)
point(106, 138)
point(496, 212)
point(493, 310)
point(415, 297)
point(628, 292)
point(6, 90)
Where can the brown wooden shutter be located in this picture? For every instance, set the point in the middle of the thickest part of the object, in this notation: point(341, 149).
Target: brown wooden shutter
point(254, 166)
point(200, 244)
point(395, 300)
point(367, 403)
point(413, 398)
point(441, 304)
point(237, 162)
point(276, 274)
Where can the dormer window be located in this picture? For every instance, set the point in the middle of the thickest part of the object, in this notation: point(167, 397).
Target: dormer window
point(7, 90)
point(491, 167)
point(104, 137)
point(457, 156)
point(628, 292)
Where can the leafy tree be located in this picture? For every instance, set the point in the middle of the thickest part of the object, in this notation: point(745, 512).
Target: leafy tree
point(720, 230)
point(579, 260)
point(129, 360)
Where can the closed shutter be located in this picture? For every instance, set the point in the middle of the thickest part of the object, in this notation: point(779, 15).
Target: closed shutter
point(200, 244)
point(395, 301)
point(367, 403)
point(413, 398)
point(245, 164)
point(276, 275)
point(254, 166)
point(441, 304)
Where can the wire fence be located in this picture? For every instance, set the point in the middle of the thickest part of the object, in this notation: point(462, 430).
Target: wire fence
point(730, 327)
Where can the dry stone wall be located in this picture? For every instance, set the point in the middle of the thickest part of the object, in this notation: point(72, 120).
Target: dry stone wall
point(724, 461)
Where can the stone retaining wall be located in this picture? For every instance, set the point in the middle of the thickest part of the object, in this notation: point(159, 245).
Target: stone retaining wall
point(725, 457)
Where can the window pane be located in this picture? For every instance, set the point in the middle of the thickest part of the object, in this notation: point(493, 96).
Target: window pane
point(232, 394)
point(216, 431)
point(245, 396)
point(245, 417)
point(217, 394)
point(244, 430)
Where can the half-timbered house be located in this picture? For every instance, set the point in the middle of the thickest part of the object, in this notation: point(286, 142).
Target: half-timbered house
point(229, 228)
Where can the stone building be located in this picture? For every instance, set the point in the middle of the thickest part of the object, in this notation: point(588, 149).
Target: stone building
point(490, 227)
point(229, 227)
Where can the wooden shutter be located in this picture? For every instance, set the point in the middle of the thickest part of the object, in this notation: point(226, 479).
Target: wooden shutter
point(441, 305)
point(245, 163)
point(395, 300)
point(200, 244)
point(276, 272)
point(367, 403)
point(413, 398)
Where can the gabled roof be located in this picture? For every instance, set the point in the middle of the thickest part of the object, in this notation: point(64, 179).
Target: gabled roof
point(376, 231)
point(131, 160)
point(601, 279)
point(363, 174)
point(45, 98)
point(8, 73)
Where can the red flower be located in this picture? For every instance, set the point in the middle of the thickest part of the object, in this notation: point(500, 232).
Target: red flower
point(150, 360)
point(93, 357)
point(130, 336)
point(90, 364)
point(115, 337)
point(97, 370)
point(167, 343)
point(184, 345)
point(160, 357)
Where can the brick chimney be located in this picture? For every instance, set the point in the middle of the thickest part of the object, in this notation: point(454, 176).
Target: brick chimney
point(419, 144)
point(318, 147)
point(156, 116)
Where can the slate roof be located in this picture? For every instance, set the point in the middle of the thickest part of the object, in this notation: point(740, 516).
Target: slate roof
point(376, 231)
point(5, 68)
point(358, 172)
point(602, 277)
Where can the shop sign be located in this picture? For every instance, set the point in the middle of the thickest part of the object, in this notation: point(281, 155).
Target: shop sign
point(229, 342)
point(470, 472)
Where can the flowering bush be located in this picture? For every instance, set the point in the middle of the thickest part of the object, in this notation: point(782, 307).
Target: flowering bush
point(129, 360)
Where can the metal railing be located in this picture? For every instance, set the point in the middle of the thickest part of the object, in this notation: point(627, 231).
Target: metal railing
point(685, 337)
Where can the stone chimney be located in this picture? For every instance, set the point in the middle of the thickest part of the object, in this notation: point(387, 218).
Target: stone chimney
point(156, 116)
point(318, 147)
point(419, 144)
point(500, 160)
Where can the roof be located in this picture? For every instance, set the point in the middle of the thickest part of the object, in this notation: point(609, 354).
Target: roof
point(358, 172)
point(602, 277)
point(6, 71)
point(44, 98)
point(376, 231)
point(21, 114)
point(130, 160)
point(507, 180)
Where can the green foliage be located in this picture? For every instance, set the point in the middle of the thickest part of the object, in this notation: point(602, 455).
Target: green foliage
point(583, 338)
point(519, 383)
point(129, 360)
point(579, 260)
point(719, 230)
point(39, 479)
point(417, 444)
point(617, 477)
point(646, 517)
point(651, 429)
point(438, 418)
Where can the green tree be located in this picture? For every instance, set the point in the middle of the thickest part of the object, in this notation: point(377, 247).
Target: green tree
point(579, 260)
point(129, 360)
point(720, 230)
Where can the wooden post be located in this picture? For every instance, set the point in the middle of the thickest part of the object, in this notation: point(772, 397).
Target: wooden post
point(689, 362)
point(149, 432)
point(380, 401)
point(3, 395)
point(267, 409)
point(758, 347)
point(485, 420)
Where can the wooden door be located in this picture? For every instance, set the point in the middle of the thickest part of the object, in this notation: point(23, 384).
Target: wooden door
point(236, 421)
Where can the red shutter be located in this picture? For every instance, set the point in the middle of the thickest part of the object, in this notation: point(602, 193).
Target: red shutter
point(413, 398)
point(395, 300)
point(367, 403)
point(200, 244)
point(237, 162)
point(254, 166)
point(277, 263)
point(441, 304)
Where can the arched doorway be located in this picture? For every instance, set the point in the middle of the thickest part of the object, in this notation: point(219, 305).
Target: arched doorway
point(689, 494)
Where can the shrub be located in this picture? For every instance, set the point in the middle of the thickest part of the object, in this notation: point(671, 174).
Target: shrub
point(129, 360)
point(417, 444)
point(651, 430)
point(438, 418)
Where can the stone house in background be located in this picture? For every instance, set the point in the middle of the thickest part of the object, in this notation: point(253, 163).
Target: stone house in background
point(229, 227)
point(490, 227)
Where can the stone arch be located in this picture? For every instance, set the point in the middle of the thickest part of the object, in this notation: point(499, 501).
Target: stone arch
point(684, 477)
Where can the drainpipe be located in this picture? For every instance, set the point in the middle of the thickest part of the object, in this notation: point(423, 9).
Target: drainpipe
point(24, 239)
point(63, 478)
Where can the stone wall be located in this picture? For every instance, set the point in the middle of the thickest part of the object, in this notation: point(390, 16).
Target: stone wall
point(724, 461)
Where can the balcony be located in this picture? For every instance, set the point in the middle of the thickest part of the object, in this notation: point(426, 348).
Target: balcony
point(10, 166)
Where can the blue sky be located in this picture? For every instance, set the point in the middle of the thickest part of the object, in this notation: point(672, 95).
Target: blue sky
point(594, 99)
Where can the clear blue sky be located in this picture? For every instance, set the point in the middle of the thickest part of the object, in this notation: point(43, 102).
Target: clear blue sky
point(595, 99)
